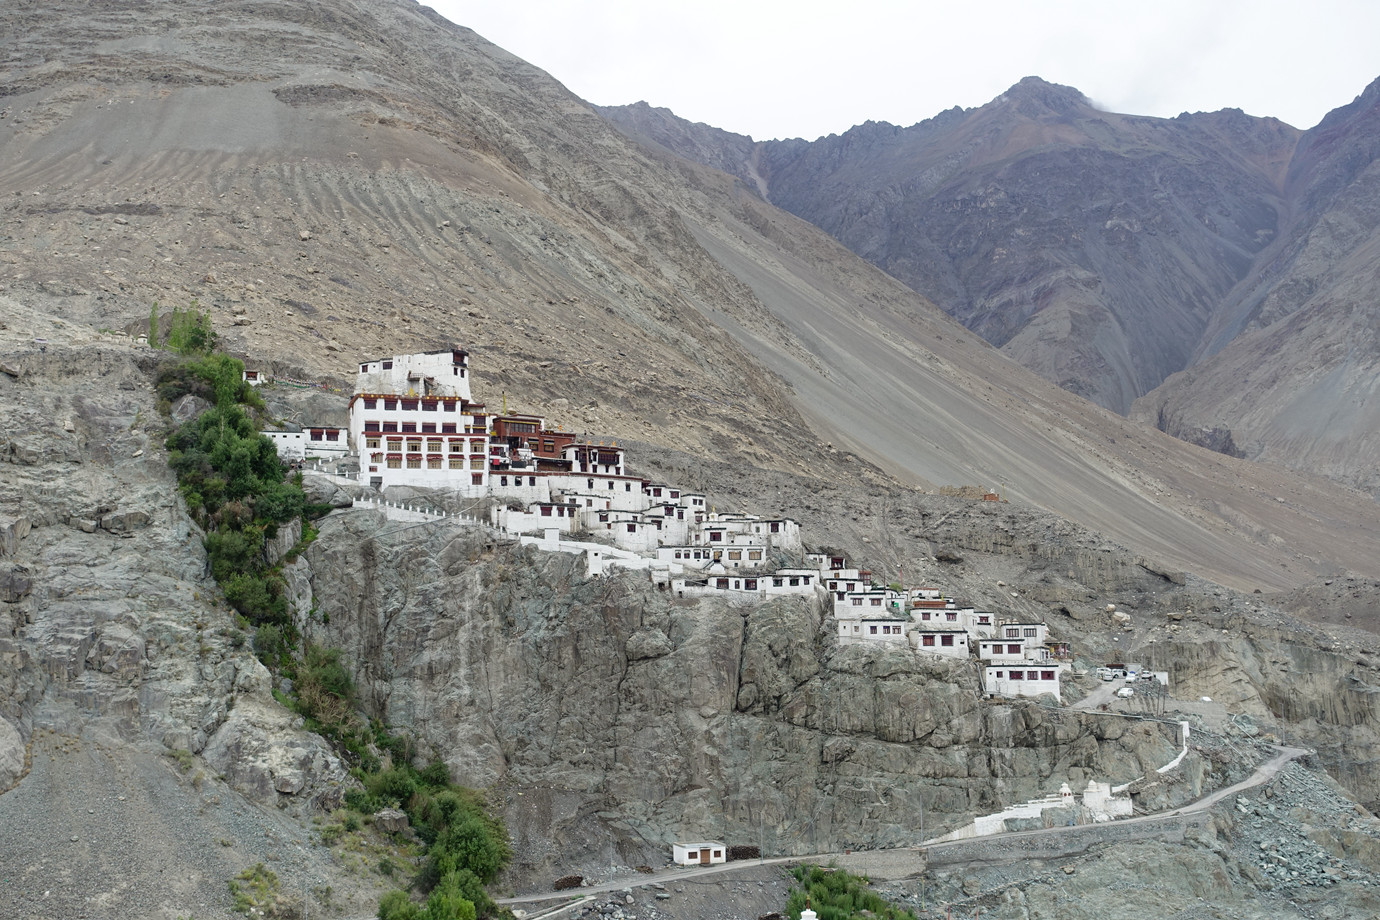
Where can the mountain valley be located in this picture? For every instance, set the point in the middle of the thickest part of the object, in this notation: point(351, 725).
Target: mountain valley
point(338, 180)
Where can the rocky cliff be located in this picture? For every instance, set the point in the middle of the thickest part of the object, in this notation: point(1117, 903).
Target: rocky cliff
point(609, 703)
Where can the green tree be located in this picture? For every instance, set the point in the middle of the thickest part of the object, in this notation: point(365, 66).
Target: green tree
point(153, 324)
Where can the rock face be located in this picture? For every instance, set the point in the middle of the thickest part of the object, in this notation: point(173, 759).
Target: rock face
point(110, 626)
point(657, 717)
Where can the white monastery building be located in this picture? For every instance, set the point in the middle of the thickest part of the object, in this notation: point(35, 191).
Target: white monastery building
point(413, 422)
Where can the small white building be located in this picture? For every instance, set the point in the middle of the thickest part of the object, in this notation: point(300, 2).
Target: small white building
point(1033, 633)
point(951, 643)
point(699, 854)
point(1003, 651)
point(310, 443)
point(253, 378)
point(883, 629)
point(1028, 679)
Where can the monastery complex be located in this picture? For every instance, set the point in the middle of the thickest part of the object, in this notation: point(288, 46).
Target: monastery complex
point(413, 422)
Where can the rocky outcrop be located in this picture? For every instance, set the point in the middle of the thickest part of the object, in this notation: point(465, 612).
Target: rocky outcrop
point(110, 625)
point(666, 717)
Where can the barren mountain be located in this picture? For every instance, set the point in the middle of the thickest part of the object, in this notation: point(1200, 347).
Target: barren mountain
point(344, 179)
point(1289, 363)
point(1091, 247)
point(395, 183)
point(1109, 252)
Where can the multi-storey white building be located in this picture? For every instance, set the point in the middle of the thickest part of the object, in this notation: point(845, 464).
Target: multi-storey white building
point(412, 423)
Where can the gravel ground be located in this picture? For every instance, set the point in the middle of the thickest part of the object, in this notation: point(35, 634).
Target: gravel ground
point(102, 830)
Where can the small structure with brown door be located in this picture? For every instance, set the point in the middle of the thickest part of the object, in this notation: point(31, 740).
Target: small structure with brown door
point(698, 854)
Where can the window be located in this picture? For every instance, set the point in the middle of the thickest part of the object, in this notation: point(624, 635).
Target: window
point(433, 463)
point(1013, 632)
point(370, 403)
point(776, 582)
point(755, 554)
point(716, 536)
point(951, 615)
point(449, 406)
point(1017, 675)
point(872, 630)
point(735, 554)
point(927, 641)
point(390, 426)
point(721, 583)
point(632, 528)
point(390, 404)
point(476, 463)
point(857, 601)
point(388, 365)
point(414, 446)
point(410, 427)
point(1031, 632)
point(428, 428)
point(610, 483)
point(414, 463)
point(395, 463)
point(1013, 650)
point(503, 480)
point(795, 582)
point(545, 510)
point(428, 405)
point(947, 641)
point(433, 446)
point(775, 527)
point(333, 435)
point(531, 480)
point(316, 434)
point(876, 602)
point(371, 442)
point(371, 426)
point(627, 487)
point(457, 447)
point(476, 479)
point(409, 405)
point(457, 463)
point(1046, 675)
point(750, 584)
point(1001, 674)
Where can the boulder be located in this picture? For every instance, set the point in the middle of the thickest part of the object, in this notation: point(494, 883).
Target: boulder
point(125, 521)
point(15, 582)
point(12, 530)
point(11, 755)
point(188, 408)
point(391, 821)
point(321, 491)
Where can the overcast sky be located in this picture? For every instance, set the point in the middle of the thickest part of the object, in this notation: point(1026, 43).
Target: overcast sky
point(805, 69)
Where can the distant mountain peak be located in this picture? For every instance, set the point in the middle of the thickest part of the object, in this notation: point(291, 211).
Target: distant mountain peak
point(1033, 94)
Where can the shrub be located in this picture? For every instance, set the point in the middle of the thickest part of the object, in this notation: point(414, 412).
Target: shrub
point(567, 881)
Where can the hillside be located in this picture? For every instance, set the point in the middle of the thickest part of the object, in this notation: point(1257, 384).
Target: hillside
point(1113, 253)
point(345, 179)
point(1289, 363)
point(346, 201)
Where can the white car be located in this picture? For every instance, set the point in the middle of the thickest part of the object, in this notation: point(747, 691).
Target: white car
point(1125, 692)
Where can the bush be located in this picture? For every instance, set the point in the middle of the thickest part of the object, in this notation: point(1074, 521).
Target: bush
point(743, 851)
point(566, 882)
point(838, 895)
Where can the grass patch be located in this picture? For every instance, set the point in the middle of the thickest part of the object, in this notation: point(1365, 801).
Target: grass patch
point(838, 895)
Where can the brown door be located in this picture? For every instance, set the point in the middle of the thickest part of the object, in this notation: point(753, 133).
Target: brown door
point(704, 856)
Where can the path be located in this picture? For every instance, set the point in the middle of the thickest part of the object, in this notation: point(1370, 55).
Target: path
point(1262, 774)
